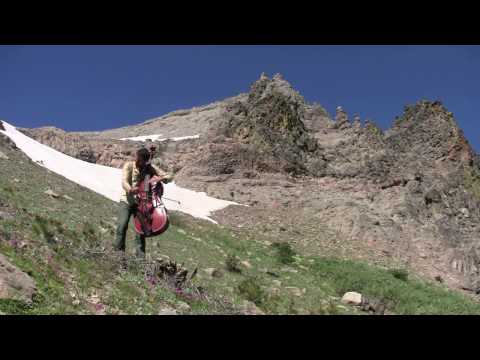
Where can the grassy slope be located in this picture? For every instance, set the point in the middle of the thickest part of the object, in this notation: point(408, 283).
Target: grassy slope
point(58, 233)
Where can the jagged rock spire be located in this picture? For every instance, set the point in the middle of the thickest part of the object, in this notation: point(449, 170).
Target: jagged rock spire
point(341, 119)
point(278, 76)
point(357, 124)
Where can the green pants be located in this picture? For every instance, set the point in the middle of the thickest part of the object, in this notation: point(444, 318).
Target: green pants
point(126, 211)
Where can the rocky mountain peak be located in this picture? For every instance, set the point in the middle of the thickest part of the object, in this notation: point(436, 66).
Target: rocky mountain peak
point(265, 87)
point(270, 122)
point(430, 131)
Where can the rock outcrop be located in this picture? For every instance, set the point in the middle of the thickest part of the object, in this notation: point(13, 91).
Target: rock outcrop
point(105, 152)
point(14, 283)
point(264, 132)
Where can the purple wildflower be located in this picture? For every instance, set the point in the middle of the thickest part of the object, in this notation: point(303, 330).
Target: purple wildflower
point(151, 280)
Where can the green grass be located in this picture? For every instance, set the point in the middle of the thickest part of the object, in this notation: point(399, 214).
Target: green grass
point(407, 296)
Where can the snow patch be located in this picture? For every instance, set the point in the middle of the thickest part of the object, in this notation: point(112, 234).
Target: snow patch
point(143, 138)
point(159, 138)
point(183, 138)
point(106, 180)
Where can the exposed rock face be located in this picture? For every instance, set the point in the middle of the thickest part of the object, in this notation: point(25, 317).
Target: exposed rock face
point(428, 135)
point(5, 141)
point(104, 152)
point(316, 118)
point(15, 284)
point(265, 132)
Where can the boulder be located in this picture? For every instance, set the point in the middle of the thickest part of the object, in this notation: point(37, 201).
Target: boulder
point(433, 196)
point(14, 283)
point(294, 290)
point(465, 212)
point(273, 291)
point(167, 311)
point(52, 193)
point(249, 308)
point(213, 272)
point(183, 306)
point(374, 306)
point(3, 156)
point(246, 264)
point(5, 215)
point(352, 298)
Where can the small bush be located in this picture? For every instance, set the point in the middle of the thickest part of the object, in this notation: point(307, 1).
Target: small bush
point(399, 274)
point(328, 308)
point(40, 228)
point(9, 189)
point(58, 226)
point(233, 264)
point(14, 307)
point(88, 232)
point(251, 290)
point(285, 253)
point(272, 303)
point(292, 309)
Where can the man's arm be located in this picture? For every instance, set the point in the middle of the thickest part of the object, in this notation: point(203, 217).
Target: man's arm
point(126, 177)
point(162, 174)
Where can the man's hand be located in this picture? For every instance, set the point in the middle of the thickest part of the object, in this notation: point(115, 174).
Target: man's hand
point(133, 191)
point(167, 178)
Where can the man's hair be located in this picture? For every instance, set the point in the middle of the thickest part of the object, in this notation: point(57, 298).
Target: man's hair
point(143, 154)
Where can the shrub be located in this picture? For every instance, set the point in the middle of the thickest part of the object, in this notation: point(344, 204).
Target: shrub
point(233, 264)
point(251, 290)
point(285, 253)
point(399, 274)
point(40, 228)
point(328, 308)
point(89, 233)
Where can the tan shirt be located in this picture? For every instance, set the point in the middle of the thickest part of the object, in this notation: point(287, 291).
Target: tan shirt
point(131, 178)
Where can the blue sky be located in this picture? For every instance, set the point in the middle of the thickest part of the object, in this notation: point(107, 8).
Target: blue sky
point(100, 87)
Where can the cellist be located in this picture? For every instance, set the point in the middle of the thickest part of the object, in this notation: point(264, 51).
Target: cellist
point(133, 173)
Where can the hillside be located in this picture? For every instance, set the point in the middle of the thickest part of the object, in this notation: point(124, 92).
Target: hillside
point(62, 243)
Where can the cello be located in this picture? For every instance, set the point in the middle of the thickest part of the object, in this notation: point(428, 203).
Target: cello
point(151, 215)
